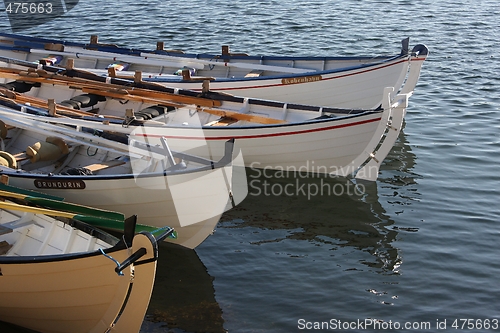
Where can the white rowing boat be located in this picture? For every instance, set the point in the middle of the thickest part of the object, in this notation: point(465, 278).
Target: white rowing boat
point(270, 134)
point(160, 186)
point(345, 82)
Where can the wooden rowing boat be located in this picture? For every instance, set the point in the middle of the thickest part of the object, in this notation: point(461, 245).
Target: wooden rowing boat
point(270, 134)
point(158, 184)
point(345, 82)
point(59, 274)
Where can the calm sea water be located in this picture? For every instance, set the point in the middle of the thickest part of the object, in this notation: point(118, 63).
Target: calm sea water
point(419, 247)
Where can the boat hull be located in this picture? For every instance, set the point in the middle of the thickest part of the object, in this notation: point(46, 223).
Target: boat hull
point(322, 147)
point(157, 201)
point(58, 279)
point(352, 82)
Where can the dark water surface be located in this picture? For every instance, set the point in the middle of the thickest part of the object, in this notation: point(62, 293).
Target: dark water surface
point(418, 247)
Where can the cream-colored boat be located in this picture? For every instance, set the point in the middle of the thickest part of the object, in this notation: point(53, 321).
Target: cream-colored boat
point(58, 274)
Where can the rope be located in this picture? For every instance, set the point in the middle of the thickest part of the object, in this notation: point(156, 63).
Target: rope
point(112, 259)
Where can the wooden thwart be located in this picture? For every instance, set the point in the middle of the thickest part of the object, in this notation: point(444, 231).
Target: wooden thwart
point(103, 165)
point(4, 246)
point(3, 231)
point(255, 73)
point(224, 121)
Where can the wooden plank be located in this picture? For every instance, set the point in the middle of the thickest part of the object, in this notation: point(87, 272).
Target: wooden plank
point(254, 73)
point(3, 231)
point(103, 165)
point(4, 246)
point(243, 116)
point(224, 121)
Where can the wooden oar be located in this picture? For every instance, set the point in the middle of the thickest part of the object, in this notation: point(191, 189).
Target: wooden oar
point(93, 220)
point(64, 206)
point(162, 98)
point(162, 60)
point(79, 83)
point(21, 99)
point(91, 54)
point(243, 65)
point(130, 97)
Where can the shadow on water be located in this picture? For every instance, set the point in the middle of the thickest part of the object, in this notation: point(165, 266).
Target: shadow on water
point(348, 214)
point(183, 296)
point(324, 210)
point(334, 210)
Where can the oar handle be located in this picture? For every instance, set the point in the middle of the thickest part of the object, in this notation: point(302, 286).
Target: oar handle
point(130, 260)
point(167, 232)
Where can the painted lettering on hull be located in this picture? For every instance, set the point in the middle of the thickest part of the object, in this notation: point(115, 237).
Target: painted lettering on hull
point(303, 79)
point(70, 184)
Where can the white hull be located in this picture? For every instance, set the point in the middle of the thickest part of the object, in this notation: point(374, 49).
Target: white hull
point(316, 146)
point(351, 83)
point(151, 199)
point(158, 198)
point(358, 88)
point(336, 146)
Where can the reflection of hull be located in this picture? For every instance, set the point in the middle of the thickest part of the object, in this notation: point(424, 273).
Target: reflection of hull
point(183, 295)
point(319, 209)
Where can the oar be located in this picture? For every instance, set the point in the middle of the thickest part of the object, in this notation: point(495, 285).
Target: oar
point(64, 206)
point(250, 66)
point(102, 87)
point(19, 99)
point(26, 192)
point(166, 61)
point(153, 97)
point(157, 97)
point(142, 60)
point(93, 220)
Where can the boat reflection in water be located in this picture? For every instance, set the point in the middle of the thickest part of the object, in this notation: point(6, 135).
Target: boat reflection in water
point(329, 211)
point(334, 210)
point(183, 297)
